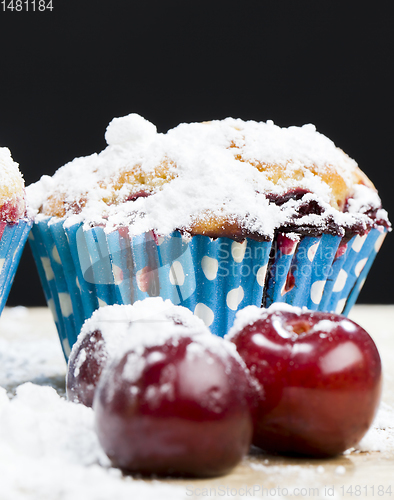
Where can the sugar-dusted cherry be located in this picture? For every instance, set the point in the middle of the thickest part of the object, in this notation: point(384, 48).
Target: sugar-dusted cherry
point(176, 406)
point(103, 334)
point(321, 375)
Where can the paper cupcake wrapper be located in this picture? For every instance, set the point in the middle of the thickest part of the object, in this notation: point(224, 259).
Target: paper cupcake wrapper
point(323, 273)
point(82, 270)
point(12, 241)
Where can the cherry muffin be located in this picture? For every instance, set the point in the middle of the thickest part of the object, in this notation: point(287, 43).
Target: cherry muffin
point(214, 216)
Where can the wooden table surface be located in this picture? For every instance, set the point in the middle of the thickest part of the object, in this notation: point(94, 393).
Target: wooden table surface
point(31, 335)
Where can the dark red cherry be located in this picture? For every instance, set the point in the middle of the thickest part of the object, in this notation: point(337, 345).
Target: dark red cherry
point(179, 408)
point(321, 375)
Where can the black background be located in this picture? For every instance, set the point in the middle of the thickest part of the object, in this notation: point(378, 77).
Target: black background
point(65, 73)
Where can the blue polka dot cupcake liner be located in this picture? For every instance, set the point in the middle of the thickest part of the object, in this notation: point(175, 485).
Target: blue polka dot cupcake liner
point(84, 269)
point(12, 241)
point(324, 273)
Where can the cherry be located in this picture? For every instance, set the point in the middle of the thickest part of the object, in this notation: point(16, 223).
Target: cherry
point(175, 407)
point(103, 335)
point(321, 374)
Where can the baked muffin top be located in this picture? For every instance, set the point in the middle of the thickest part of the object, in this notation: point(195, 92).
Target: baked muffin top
point(226, 177)
point(12, 189)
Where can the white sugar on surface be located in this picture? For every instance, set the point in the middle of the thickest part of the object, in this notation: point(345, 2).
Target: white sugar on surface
point(49, 450)
point(380, 436)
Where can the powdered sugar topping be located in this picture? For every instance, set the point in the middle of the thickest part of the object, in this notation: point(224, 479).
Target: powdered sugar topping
point(129, 131)
point(210, 168)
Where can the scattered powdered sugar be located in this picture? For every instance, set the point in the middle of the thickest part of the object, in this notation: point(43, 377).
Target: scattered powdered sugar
point(246, 316)
point(250, 314)
point(38, 423)
point(324, 326)
point(117, 319)
point(206, 177)
point(154, 334)
point(380, 436)
point(120, 322)
point(49, 450)
point(134, 367)
point(296, 470)
point(48, 446)
point(79, 362)
point(150, 335)
point(146, 324)
point(27, 354)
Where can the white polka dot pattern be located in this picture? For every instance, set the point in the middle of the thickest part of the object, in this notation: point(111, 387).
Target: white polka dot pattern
point(46, 264)
point(51, 306)
point(340, 281)
point(340, 306)
point(379, 242)
point(317, 289)
point(213, 278)
point(234, 298)
point(361, 284)
point(312, 251)
point(358, 242)
point(118, 274)
point(205, 313)
point(360, 266)
point(65, 304)
point(210, 267)
point(238, 251)
point(56, 256)
point(66, 346)
point(261, 273)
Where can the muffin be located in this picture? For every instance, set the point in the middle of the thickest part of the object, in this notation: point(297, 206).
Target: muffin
point(14, 224)
point(214, 216)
